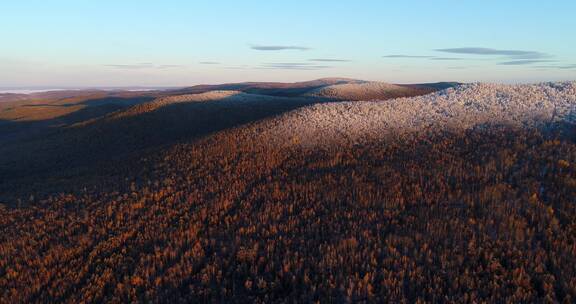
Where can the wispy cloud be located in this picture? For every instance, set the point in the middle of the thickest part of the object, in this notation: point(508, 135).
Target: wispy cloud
point(143, 65)
point(278, 47)
point(293, 66)
point(513, 54)
point(209, 62)
point(523, 62)
point(328, 60)
point(405, 56)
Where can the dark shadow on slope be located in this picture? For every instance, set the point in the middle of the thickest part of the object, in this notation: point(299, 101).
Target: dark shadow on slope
point(49, 156)
point(436, 86)
point(287, 92)
point(15, 130)
point(283, 89)
point(59, 161)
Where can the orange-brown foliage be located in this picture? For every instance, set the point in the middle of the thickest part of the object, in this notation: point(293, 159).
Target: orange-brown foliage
point(486, 215)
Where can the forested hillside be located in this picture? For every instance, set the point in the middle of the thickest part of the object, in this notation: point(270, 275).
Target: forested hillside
point(260, 213)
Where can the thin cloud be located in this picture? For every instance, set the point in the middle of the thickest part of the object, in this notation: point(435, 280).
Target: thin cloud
point(513, 54)
point(278, 47)
point(523, 62)
point(405, 56)
point(328, 60)
point(209, 62)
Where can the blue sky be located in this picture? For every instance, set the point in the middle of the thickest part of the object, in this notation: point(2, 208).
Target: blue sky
point(174, 43)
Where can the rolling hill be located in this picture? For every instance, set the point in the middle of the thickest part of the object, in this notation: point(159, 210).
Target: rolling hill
point(46, 139)
point(369, 91)
point(283, 89)
point(461, 195)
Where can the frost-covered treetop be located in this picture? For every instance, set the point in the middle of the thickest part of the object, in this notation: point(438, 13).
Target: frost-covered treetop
point(462, 107)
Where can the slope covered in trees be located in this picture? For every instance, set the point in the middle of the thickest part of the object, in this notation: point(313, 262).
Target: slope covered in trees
point(472, 212)
point(56, 138)
point(369, 91)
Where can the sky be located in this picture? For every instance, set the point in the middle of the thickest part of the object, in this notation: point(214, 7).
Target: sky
point(179, 43)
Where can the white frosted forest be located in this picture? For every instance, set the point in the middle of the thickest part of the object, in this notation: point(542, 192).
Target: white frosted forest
point(462, 107)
